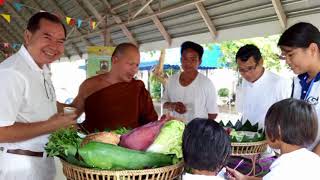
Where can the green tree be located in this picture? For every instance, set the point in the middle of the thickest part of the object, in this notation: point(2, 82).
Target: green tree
point(267, 46)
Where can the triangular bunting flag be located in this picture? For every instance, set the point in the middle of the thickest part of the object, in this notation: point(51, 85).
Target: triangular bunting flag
point(68, 19)
point(14, 45)
point(6, 45)
point(7, 17)
point(79, 22)
point(93, 24)
point(2, 2)
point(72, 22)
point(18, 6)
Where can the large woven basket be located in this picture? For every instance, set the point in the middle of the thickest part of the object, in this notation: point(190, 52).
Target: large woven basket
point(248, 148)
point(73, 172)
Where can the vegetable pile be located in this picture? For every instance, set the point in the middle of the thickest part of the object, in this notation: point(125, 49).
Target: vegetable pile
point(153, 145)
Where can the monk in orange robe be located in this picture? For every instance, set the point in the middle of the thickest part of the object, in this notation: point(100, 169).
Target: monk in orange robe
point(114, 99)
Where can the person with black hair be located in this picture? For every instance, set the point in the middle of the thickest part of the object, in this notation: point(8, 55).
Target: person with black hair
point(291, 125)
point(300, 47)
point(206, 148)
point(259, 88)
point(28, 109)
point(189, 94)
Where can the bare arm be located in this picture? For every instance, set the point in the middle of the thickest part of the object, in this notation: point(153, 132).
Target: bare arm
point(24, 131)
point(317, 149)
point(78, 101)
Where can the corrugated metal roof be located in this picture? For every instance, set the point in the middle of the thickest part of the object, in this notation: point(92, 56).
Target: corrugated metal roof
point(180, 20)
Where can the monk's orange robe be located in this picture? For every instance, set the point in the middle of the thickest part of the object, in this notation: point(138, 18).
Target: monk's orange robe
point(125, 104)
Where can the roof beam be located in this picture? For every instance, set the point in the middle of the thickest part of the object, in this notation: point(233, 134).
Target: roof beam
point(106, 33)
point(280, 13)
point(158, 24)
point(53, 3)
point(122, 4)
point(163, 11)
point(141, 9)
point(123, 27)
point(14, 36)
point(20, 25)
point(205, 16)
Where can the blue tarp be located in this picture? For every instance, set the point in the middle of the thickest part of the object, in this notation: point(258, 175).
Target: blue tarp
point(172, 59)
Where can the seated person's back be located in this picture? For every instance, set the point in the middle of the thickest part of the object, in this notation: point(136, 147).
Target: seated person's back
point(206, 148)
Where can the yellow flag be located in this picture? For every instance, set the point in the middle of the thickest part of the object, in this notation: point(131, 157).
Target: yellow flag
point(7, 17)
point(93, 24)
point(68, 19)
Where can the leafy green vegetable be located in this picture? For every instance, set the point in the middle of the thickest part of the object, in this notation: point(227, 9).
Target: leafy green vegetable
point(247, 126)
point(169, 140)
point(246, 136)
point(119, 131)
point(63, 142)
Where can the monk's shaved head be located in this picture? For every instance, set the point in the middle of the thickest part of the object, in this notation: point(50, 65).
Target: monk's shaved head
point(123, 48)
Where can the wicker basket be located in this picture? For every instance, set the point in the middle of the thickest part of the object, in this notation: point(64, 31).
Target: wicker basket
point(248, 148)
point(73, 172)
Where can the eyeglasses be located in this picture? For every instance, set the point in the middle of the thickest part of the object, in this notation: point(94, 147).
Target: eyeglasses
point(50, 91)
point(249, 69)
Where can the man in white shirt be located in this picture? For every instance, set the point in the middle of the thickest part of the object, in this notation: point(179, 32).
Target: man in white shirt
point(28, 109)
point(189, 94)
point(260, 88)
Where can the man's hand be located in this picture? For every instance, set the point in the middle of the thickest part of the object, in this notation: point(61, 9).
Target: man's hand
point(236, 175)
point(179, 107)
point(61, 120)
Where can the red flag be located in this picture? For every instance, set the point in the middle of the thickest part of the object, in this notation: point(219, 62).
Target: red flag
point(2, 2)
point(72, 22)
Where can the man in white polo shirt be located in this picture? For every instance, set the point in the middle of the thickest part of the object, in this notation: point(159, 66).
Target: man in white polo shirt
point(260, 88)
point(28, 108)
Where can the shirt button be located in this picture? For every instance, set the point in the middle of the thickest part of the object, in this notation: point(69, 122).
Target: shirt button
point(304, 91)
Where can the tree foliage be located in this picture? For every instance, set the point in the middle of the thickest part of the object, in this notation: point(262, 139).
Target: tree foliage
point(267, 46)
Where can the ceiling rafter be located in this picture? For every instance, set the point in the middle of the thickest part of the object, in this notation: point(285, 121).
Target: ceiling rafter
point(145, 5)
point(21, 26)
point(123, 27)
point(106, 36)
point(205, 16)
point(7, 36)
point(143, 17)
point(16, 37)
point(158, 24)
point(55, 5)
point(280, 13)
point(4, 39)
point(11, 28)
point(122, 4)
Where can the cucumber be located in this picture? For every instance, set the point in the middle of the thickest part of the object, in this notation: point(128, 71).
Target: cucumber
point(112, 157)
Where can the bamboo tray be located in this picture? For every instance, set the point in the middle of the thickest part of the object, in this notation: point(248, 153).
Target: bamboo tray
point(248, 148)
point(73, 172)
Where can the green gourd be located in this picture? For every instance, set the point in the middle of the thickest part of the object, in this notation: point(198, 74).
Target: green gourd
point(111, 157)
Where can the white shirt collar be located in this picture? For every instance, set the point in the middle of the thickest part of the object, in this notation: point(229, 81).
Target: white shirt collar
point(260, 80)
point(29, 60)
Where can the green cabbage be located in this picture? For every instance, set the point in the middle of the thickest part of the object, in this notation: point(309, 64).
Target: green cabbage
point(169, 140)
